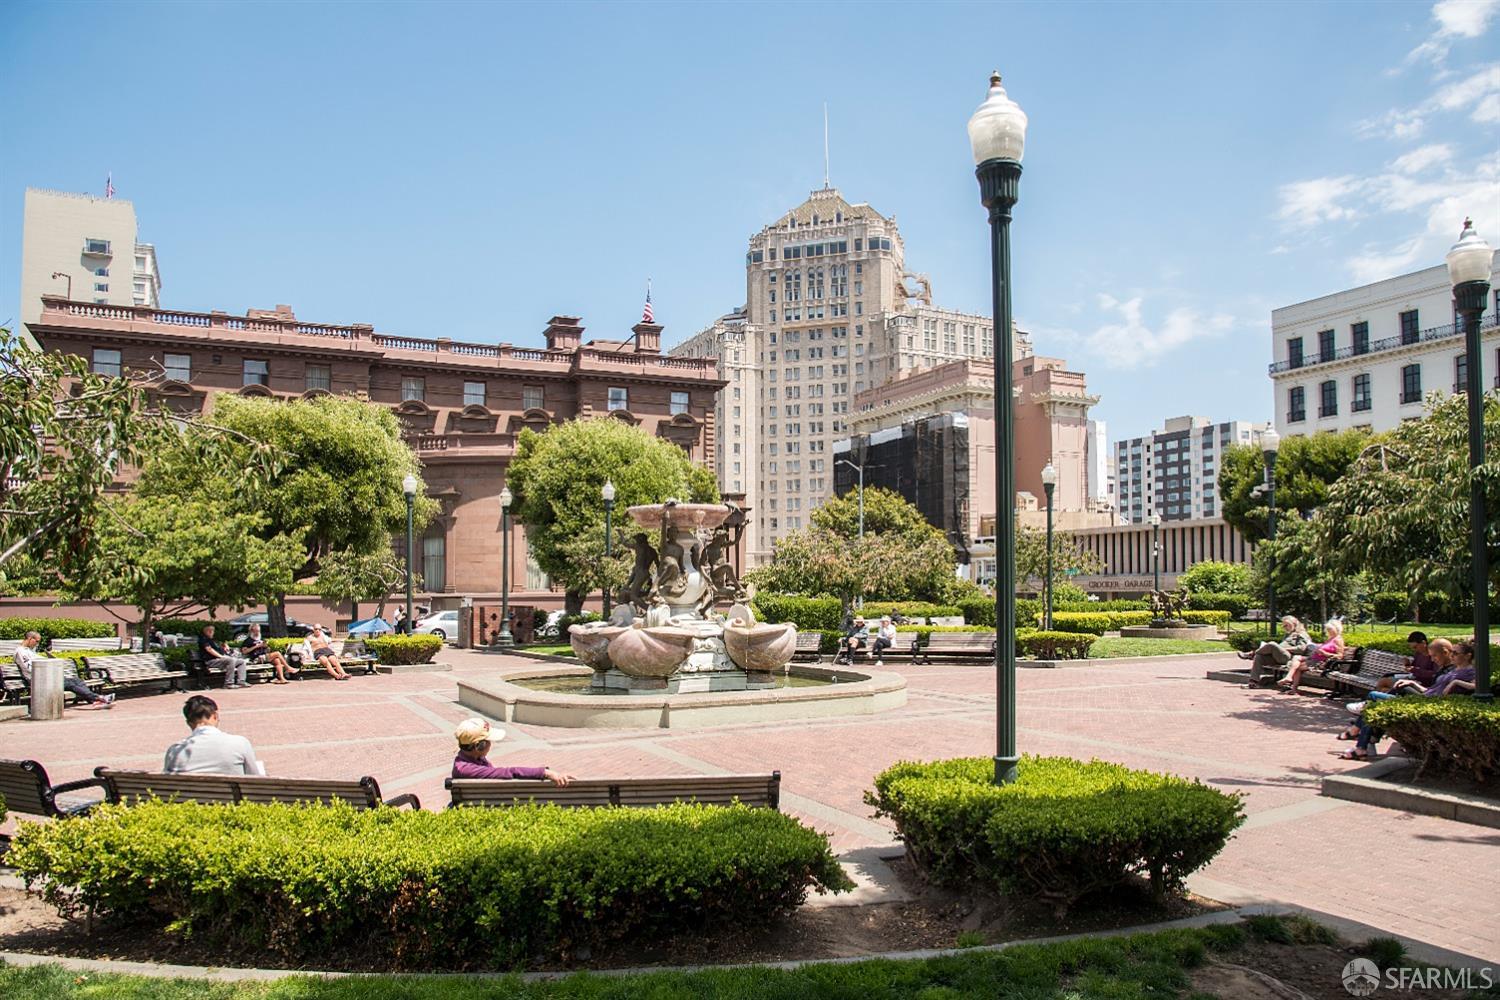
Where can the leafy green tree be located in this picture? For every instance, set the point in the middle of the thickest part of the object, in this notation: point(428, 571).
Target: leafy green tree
point(886, 512)
point(1216, 578)
point(1402, 511)
point(1307, 584)
point(1306, 466)
point(346, 575)
point(557, 477)
point(887, 565)
point(1031, 557)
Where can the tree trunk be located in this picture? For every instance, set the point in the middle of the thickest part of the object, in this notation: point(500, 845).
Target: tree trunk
point(145, 627)
point(573, 601)
point(276, 617)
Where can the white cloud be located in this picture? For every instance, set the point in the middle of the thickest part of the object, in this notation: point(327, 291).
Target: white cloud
point(1304, 204)
point(1423, 157)
point(1456, 19)
point(1129, 343)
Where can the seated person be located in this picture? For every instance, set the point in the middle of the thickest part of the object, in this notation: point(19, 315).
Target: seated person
point(1332, 648)
point(853, 641)
point(25, 656)
point(319, 647)
point(474, 742)
point(1423, 667)
point(1271, 655)
point(885, 636)
point(214, 653)
point(1458, 680)
point(208, 749)
point(256, 648)
point(1441, 651)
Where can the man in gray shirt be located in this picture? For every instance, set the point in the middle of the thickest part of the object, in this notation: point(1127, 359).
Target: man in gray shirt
point(208, 750)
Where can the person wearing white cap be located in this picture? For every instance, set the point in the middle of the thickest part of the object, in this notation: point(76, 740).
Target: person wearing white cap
point(474, 741)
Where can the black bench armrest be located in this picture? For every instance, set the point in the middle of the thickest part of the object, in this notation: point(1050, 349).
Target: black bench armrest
point(404, 800)
point(80, 784)
point(77, 786)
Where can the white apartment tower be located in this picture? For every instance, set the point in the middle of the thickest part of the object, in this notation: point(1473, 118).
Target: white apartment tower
point(1366, 357)
point(90, 244)
point(1174, 472)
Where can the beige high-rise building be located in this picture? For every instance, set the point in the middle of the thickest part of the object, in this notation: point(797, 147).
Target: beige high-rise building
point(86, 248)
point(830, 310)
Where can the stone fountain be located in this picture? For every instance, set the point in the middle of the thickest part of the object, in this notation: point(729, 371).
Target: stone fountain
point(665, 635)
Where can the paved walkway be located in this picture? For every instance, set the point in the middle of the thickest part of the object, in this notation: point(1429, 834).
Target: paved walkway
point(1426, 878)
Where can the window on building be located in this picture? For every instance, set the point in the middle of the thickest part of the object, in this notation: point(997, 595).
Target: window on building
point(1325, 345)
point(106, 362)
point(140, 287)
point(1461, 373)
point(435, 563)
point(533, 398)
point(101, 286)
point(140, 263)
point(679, 403)
point(619, 398)
point(1296, 404)
point(1361, 387)
point(1328, 399)
point(179, 367)
point(413, 387)
point(319, 377)
point(1294, 352)
point(96, 246)
point(1411, 383)
point(474, 394)
point(1409, 331)
point(1360, 334)
point(102, 272)
point(256, 372)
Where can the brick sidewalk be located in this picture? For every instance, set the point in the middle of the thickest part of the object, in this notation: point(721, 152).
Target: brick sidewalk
point(1434, 880)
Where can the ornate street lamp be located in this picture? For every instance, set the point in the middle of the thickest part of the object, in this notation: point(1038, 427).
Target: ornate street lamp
point(1049, 483)
point(505, 638)
point(608, 492)
point(1269, 442)
point(997, 135)
point(1469, 264)
point(1155, 520)
point(860, 469)
point(409, 487)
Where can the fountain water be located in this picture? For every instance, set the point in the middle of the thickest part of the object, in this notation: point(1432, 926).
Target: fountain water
point(664, 635)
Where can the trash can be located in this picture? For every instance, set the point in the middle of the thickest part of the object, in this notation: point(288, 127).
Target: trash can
point(47, 689)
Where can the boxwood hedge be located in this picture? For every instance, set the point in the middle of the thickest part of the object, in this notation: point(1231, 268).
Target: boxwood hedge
point(1099, 622)
point(1455, 733)
point(414, 889)
point(810, 614)
point(1064, 829)
point(1056, 645)
point(404, 648)
point(55, 628)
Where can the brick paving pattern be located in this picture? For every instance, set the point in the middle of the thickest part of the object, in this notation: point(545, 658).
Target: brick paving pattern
point(1432, 880)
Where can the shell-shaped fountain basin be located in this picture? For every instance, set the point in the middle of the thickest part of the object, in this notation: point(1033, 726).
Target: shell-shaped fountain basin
point(758, 648)
point(680, 515)
point(650, 652)
point(590, 640)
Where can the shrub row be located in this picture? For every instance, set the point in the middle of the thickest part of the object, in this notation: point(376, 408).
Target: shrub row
point(193, 627)
point(1062, 830)
point(55, 628)
point(418, 889)
point(1455, 733)
point(1099, 622)
point(1056, 645)
point(813, 614)
point(911, 609)
point(1434, 606)
point(398, 649)
point(1238, 605)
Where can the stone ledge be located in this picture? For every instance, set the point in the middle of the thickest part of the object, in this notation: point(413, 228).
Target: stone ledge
point(1374, 785)
point(412, 668)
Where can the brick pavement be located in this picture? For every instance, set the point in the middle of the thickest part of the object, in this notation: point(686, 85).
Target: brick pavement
point(1295, 847)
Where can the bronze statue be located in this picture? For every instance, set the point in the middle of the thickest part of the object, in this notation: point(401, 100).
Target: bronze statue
point(641, 588)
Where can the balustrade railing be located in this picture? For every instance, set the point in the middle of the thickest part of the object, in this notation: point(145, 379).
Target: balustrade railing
point(1443, 332)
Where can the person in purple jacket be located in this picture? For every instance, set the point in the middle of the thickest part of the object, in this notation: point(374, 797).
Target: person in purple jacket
point(474, 741)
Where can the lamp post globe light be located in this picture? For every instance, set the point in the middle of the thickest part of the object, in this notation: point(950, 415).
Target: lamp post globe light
point(608, 492)
point(1049, 483)
point(997, 136)
point(1469, 264)
point(409, 487)
point(505, 638)
point(1269, 442)
point(1155, 521)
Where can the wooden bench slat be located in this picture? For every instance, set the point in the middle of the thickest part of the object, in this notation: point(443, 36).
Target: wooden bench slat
point(751, 789)
point(362, 793)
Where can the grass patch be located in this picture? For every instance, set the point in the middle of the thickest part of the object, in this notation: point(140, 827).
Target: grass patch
point(1137, 967)
point(550, 649)
point(1107, 647)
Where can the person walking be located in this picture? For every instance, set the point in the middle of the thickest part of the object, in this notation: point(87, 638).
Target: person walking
point(26, 655)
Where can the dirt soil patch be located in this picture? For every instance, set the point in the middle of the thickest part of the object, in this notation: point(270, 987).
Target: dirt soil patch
point(1264, 971)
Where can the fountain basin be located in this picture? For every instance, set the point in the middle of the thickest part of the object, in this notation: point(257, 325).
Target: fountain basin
point(863, 692)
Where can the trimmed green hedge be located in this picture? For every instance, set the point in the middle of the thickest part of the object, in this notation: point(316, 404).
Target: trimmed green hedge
point(55, 628)
point(980, 610)
point(1056, 645)
point(1099, 622)
point(911, 609)
point(1062, 830)
point(193, 627)
point(812, 614)
point(1238, 605)
point(1456, 733)
point(396, 649)
point(419, 889)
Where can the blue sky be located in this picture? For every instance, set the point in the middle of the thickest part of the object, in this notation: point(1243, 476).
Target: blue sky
point(469, 170)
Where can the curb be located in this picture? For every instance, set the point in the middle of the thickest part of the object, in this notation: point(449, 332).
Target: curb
point(1365, 785)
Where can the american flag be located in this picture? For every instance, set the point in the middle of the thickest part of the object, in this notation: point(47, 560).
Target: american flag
point(109, 185)
point(646, 315)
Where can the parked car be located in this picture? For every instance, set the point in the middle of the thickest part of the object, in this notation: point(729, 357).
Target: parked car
point(238, 627)
point(444, 625)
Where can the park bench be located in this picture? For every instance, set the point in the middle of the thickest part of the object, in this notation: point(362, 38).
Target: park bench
point(1370, 666)
point(351, 656)
point(960, 644)
point(133, 786)
point(132, 669)
point(82, 645)
point(203, 674)
point(8, 647)
point(809, 644)
point(17, 688)
point(762, 790)
point(26, 789)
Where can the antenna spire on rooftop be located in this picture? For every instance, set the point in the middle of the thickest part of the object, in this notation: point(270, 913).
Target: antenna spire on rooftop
point(826, 183)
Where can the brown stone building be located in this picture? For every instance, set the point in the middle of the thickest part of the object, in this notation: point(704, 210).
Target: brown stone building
point(462, 404)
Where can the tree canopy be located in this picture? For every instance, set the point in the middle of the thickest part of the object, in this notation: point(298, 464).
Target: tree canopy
point(1215, 577)
point(1031, 557)
point(557, 477)
point(1306, 466)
